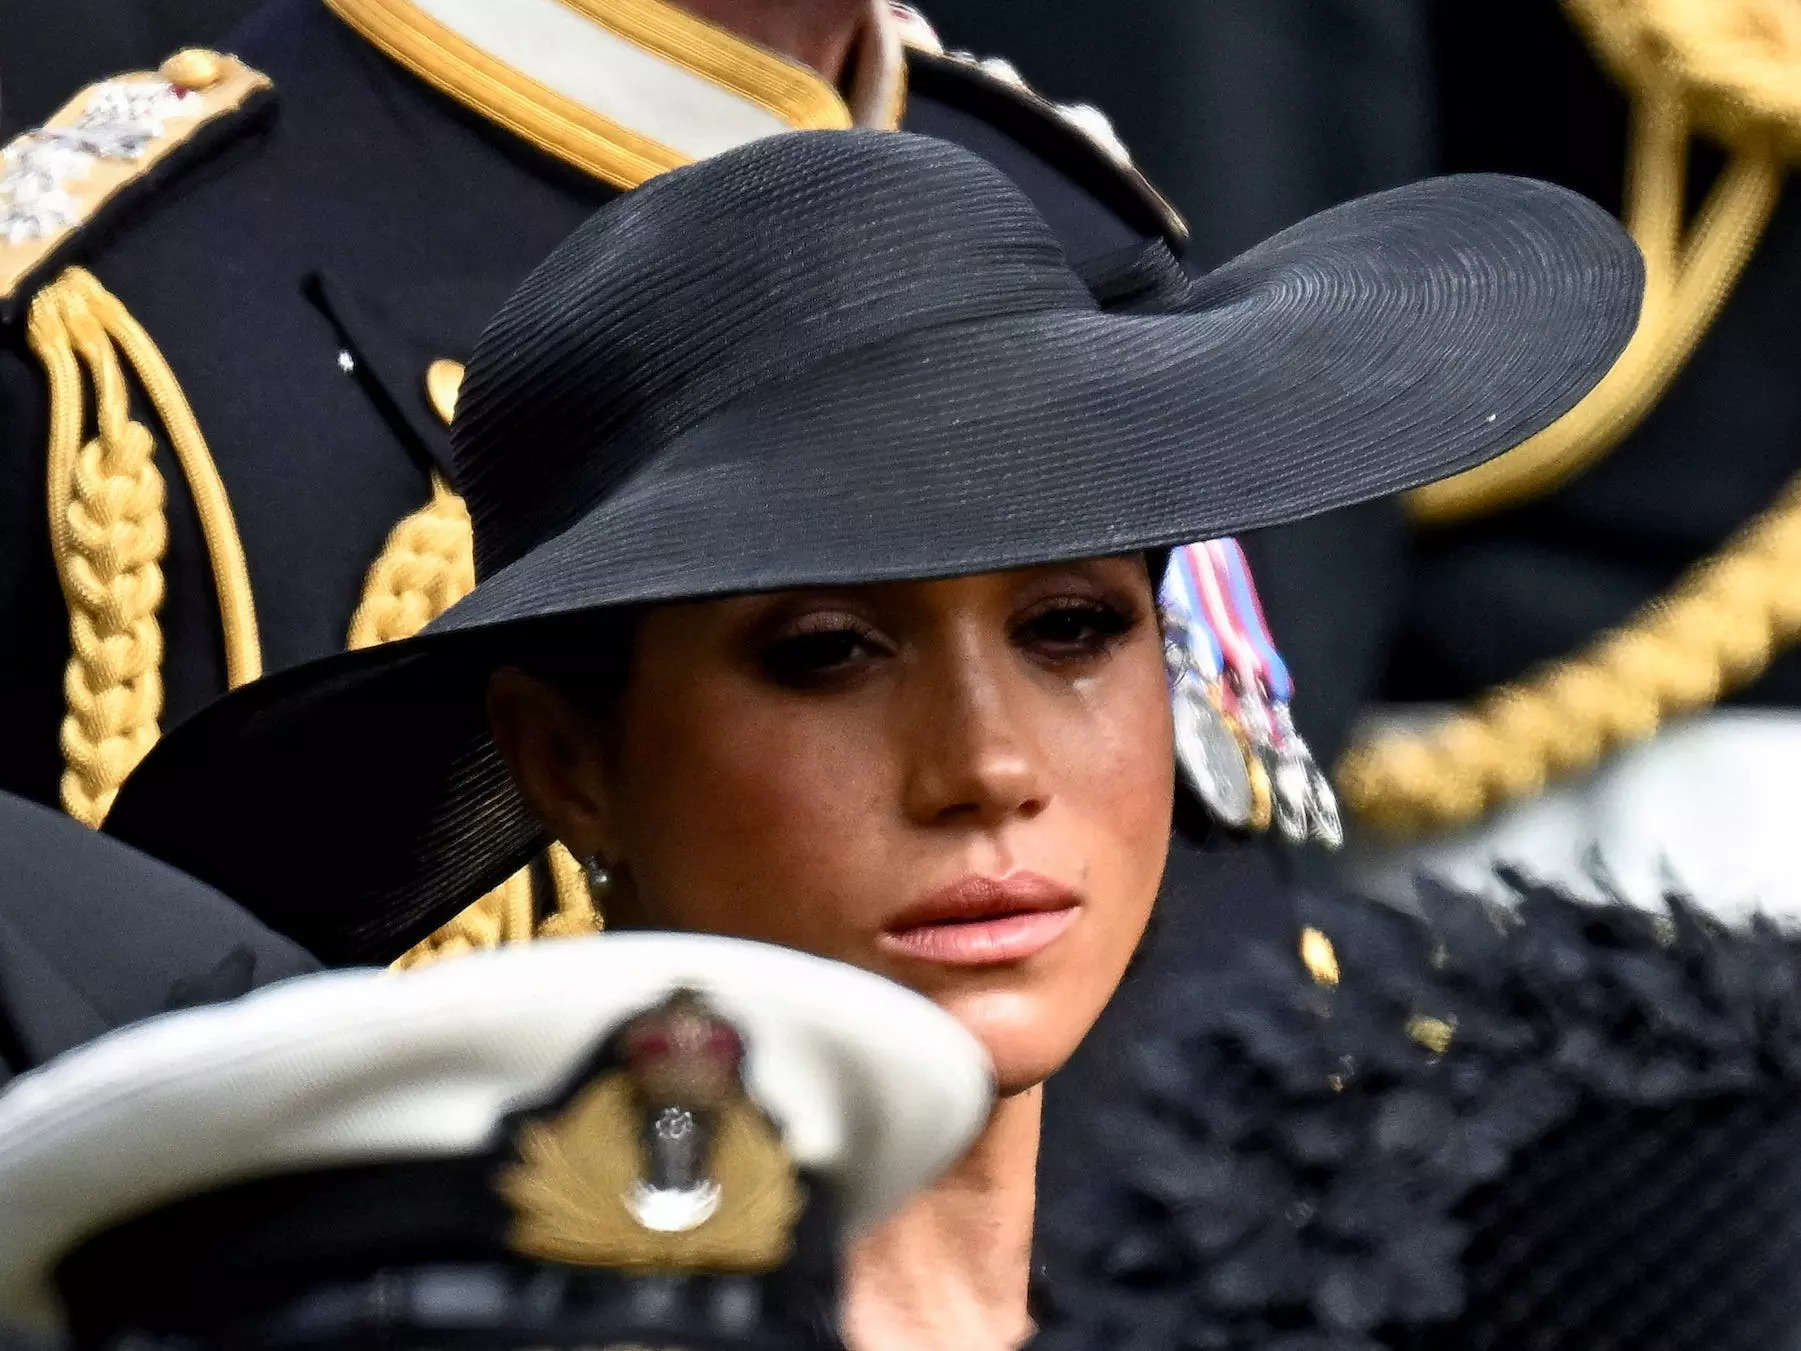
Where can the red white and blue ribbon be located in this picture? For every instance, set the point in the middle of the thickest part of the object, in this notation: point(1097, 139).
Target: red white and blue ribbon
point(1247, 612)
point(1182, 600)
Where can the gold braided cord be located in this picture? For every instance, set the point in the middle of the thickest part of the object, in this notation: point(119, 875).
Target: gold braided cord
point(50, 340)
point(1733, 69)
point(426, 566)
point(109, 531)
point(1716, 631)
point(108, 534)
point(212, 505)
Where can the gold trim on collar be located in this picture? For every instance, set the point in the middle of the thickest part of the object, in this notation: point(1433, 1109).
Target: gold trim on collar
point(556, 125)
point(785, 88)
point(565, 128)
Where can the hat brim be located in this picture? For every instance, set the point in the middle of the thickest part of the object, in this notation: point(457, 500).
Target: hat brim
point(873, 1086)
point(356, 802)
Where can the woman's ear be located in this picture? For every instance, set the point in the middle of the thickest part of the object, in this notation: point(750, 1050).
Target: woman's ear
point(557, 758)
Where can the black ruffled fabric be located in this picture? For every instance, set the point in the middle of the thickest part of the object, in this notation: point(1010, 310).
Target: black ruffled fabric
point(1545, 1125)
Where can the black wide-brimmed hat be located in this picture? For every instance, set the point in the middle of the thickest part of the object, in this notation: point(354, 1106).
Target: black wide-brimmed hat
point(853, 357)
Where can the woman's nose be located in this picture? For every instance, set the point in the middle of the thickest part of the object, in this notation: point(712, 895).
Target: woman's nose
point(975, 753)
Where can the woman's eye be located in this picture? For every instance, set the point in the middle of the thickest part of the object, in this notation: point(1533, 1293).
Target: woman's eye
point(1074, 629)
point(807, 658)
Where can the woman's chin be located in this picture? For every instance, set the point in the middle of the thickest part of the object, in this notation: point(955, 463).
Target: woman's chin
point(1027, 1038)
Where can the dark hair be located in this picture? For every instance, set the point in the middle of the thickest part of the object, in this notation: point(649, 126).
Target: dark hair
point(587, 658)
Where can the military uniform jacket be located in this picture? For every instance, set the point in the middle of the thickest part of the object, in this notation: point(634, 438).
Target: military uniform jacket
point(302, 260)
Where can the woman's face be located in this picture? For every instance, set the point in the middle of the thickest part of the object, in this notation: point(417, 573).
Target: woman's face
point(963, 785)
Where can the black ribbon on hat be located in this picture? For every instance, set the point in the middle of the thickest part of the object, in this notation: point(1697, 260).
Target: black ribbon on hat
point(415, 1253)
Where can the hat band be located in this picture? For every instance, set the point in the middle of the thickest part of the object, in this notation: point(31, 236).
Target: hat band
point(418, 1247)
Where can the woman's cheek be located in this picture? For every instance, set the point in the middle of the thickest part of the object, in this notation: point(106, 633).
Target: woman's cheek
point(1130, 795)
point(755, 811)
point(1123, 769)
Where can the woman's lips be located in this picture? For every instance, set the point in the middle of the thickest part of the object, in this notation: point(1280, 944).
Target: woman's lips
point(985, 921)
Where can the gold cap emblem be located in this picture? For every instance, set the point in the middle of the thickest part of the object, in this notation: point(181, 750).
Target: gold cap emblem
point(660, 1161)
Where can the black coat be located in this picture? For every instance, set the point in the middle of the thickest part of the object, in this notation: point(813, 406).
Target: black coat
point(94, 935)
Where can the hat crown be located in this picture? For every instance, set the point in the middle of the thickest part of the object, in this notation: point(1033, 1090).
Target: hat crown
point(720, 277)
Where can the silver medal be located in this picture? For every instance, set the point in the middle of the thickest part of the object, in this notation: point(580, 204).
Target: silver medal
point(1328, 827)
point(1309, 787)
point(1211, 756)
point(1288, 778)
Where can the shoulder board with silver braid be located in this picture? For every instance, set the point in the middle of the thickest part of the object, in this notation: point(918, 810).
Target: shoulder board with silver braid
point(107, 145)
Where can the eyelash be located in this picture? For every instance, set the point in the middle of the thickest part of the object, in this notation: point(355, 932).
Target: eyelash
point(1104, 623)
point(814, 657)
point(821, 655)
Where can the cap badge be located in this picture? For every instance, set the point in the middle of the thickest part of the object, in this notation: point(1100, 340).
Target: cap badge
point(660, 1160)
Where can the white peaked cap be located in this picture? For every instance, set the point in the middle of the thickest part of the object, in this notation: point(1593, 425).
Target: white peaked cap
point(872, 1086)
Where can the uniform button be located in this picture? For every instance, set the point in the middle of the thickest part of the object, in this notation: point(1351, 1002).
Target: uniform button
point(443, 378)
point(196, 68)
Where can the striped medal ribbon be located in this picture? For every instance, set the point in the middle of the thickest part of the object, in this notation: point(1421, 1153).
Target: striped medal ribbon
point(1212, 748)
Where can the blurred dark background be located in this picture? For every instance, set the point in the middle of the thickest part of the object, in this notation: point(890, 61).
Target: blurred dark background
point(49, 48)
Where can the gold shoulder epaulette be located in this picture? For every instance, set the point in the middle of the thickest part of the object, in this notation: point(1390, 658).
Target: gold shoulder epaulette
point(109, 140)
